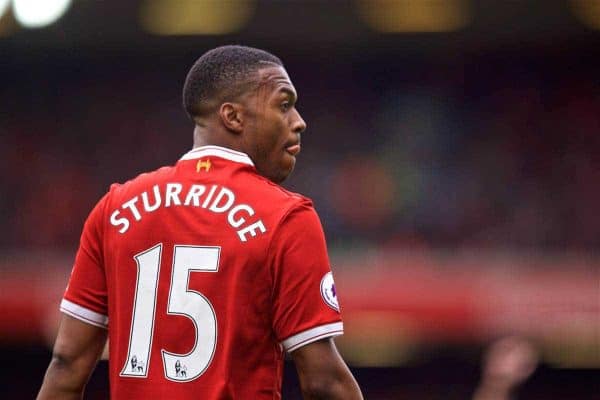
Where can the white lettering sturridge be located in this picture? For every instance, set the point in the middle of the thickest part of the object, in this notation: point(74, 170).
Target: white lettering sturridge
point(217, 199)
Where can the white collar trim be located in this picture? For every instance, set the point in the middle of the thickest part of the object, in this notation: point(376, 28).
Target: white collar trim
point(218, 151)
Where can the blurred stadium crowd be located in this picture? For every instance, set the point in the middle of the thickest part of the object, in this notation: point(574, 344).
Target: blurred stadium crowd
point(489, 150)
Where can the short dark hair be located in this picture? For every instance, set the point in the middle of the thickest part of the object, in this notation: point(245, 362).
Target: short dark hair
point(222, 73)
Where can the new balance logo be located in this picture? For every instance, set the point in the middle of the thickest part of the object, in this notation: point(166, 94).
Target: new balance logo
point(202, 164)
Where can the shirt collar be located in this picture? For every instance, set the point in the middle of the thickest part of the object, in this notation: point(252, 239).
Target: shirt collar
point(217, 151)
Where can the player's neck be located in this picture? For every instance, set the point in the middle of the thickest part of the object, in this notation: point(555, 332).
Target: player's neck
point(204, 136)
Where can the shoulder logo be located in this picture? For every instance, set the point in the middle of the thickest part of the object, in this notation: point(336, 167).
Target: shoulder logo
point(203, 164)
point(328, 292)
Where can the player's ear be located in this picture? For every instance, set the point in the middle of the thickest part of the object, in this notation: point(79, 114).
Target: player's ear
point(232, 116)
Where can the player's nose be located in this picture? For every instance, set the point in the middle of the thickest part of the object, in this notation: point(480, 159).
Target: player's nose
point(298, 126)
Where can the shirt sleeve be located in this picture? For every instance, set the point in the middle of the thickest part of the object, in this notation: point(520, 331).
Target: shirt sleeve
point(305, 306)
point(86, 295)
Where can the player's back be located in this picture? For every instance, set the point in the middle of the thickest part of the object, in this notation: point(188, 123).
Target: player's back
point(189, 280)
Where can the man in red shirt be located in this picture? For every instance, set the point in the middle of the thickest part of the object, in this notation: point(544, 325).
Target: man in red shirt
point(204, 272)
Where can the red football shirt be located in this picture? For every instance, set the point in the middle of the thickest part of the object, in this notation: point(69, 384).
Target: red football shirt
point(203, 273)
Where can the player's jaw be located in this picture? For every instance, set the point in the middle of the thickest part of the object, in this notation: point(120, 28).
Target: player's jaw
point(280, 145)
point(283, 159)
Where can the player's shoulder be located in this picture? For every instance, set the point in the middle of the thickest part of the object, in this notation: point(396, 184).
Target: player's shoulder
point(274, 194)
point(287, 212)
point(117, 190)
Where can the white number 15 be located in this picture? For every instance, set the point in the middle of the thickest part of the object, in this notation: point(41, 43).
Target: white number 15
point(182, 301)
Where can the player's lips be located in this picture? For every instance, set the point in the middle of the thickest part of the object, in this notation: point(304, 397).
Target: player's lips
point(293, 149)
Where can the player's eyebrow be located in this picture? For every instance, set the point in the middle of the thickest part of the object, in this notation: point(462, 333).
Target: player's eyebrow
point(289, 92)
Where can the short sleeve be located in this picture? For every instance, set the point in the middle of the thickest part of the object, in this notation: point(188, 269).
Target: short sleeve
point(305, 306)
point(86, 294)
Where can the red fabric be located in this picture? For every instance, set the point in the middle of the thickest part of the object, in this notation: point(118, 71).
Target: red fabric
point(266, 289)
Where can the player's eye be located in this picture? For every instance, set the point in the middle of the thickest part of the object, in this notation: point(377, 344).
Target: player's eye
point(286, 105)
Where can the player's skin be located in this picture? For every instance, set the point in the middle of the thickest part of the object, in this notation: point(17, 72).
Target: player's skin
point(264, 123)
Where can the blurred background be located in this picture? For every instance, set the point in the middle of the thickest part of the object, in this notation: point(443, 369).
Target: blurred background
point(452, 152)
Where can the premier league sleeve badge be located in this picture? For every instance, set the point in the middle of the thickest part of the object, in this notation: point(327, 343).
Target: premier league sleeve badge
point(328, 292)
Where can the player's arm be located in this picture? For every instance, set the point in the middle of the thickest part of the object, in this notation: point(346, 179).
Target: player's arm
point(323, 374)
point(306, 312)
point(76, 352)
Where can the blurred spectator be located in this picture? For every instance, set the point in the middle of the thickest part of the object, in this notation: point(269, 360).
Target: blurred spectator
point(507, 364)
